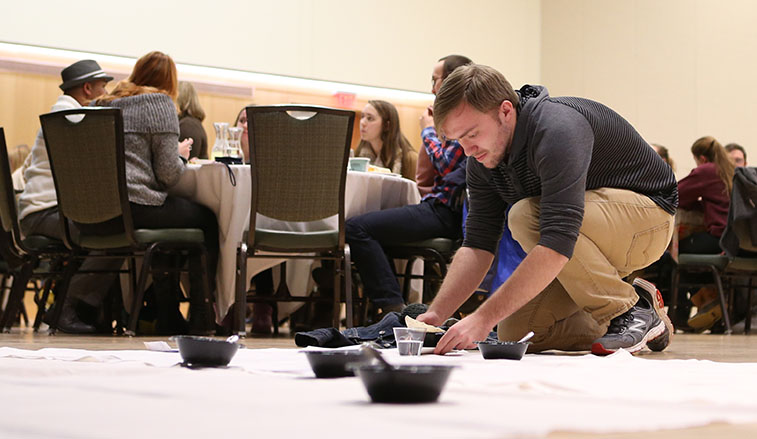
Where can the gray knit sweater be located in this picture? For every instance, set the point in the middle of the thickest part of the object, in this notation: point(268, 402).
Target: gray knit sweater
point(151, 136)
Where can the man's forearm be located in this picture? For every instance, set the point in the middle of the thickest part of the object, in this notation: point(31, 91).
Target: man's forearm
point(465, 274)
point(540, 267)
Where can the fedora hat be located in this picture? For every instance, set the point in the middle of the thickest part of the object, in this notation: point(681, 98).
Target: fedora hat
point(80, 72)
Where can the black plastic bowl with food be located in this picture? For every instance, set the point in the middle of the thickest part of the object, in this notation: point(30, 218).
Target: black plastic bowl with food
point(507, 350)
point(404, 384)
point(205, 351)
point(333, 363)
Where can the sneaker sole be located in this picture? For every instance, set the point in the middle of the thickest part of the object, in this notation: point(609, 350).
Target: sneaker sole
point(657, 331)
point(659, 307)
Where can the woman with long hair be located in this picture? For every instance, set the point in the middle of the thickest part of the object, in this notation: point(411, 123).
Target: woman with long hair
point(707, 189)
point(191, 116)
point(241, 122)
point(155, 160)
point(382, 141)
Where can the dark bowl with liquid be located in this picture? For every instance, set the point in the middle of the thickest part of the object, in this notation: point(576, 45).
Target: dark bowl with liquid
point(502, 350)
point(333, 363)
point(404, 384)
point(205, 351)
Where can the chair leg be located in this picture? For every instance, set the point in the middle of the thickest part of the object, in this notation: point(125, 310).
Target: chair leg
point(139, 293)
point(16, 296)
point(240, 301)
point(336, 307)
point(748, 321)
point(207, 300)
point(723, 304)
point(347, 272)
point(42, 303)
point(281, 291)
point(673, 305)
point(408, 279)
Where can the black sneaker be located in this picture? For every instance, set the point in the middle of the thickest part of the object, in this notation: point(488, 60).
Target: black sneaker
point(631, 330)
point(650, 292)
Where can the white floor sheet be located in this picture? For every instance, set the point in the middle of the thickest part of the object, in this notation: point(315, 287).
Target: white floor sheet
point(264, 392)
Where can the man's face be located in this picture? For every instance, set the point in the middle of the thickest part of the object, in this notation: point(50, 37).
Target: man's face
point(737, 157)
point(485, 137)
point(436, 77)
point(95, 89)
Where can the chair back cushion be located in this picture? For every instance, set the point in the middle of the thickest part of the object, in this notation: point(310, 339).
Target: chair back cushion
point(86, 158)
point(299, 160)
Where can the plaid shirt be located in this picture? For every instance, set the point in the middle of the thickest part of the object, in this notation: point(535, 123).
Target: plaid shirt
point(445, 159)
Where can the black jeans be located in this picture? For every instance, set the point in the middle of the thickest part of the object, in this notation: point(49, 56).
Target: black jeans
point(366, 233)
point(701, 243)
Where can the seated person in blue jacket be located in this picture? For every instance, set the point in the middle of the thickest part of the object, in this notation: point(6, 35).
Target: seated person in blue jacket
point(590, 201)
point(436, 216)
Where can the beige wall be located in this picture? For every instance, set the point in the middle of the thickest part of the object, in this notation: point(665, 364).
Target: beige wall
point(676, 69)
point(387, 43)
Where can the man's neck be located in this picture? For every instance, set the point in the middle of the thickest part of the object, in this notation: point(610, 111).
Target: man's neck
point(79, 97)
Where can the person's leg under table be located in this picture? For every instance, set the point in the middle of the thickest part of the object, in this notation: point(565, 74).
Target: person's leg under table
point(622, 231)
point(366, 233)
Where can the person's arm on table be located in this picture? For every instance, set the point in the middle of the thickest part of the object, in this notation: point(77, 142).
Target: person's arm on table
point(538, 269)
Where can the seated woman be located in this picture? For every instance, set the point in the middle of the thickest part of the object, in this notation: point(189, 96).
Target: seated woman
point(382, 141)
point(191, 116)
point(241, 122)
point(154, 162)
point(706, 190)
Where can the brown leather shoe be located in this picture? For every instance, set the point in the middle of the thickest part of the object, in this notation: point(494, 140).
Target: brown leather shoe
point(262, 319)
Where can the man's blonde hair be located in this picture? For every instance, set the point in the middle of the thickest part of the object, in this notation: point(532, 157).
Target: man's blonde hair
point(479, 86)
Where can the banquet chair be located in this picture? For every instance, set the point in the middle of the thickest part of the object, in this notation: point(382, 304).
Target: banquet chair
point(299, 157)
point(21, 258)
point(436, 254)
point(87, 160)
point(724, 268)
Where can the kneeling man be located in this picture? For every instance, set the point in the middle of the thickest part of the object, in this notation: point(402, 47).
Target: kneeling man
point(591, 203)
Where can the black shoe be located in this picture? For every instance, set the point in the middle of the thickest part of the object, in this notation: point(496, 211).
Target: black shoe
point(68, 321)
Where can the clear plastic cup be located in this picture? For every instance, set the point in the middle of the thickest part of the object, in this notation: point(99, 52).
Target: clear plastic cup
point(409, 340)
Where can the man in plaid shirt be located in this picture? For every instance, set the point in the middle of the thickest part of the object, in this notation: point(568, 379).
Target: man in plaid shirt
point(438, 215)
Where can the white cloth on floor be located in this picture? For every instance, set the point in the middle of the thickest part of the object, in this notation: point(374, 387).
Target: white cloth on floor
point(272, 391)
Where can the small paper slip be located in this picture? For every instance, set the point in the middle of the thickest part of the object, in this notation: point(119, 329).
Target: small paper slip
point(159, 346)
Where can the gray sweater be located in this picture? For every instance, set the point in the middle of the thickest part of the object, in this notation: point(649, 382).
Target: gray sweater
point(151, 139)
point(562, 147)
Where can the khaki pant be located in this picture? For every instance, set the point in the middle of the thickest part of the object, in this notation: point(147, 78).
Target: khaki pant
point(622, 231)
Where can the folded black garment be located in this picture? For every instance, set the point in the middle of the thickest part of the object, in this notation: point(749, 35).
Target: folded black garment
point(323, 337)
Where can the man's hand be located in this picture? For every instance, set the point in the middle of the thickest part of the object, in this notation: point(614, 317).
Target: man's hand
point(463, 333)
point(185, 147)
point(427, 118)
point(431, 318)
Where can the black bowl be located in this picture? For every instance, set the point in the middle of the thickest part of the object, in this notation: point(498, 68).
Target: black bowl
point(333, 364)
point(404, 384)
point(508, 350)
point(431, 339)
point(205, 351)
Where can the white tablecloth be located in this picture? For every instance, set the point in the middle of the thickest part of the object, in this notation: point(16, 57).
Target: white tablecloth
point(210, 185)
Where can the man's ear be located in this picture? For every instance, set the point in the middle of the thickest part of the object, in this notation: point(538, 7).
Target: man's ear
point(506, 110)
point(87, 89)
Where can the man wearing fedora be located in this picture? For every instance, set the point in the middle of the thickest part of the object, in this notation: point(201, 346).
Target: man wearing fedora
point(83, 81)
